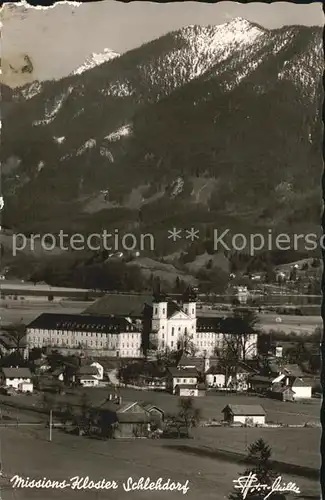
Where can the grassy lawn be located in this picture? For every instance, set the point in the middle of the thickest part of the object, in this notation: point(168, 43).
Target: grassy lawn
point(26, 450)
point(211, 405)
point(29, 453)
point(293, 446)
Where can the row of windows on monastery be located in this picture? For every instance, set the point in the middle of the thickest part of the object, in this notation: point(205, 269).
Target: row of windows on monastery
point(38, 341)
point(69, 333)
point(197, 344)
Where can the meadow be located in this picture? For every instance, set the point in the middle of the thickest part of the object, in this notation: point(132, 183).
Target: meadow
point(29, 453)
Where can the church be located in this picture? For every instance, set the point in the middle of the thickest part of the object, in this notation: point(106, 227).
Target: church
point(176, 325)
point(173, 324)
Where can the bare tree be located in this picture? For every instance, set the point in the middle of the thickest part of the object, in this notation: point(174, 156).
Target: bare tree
point(237, 347)
point(14, 338)
point(188, 415)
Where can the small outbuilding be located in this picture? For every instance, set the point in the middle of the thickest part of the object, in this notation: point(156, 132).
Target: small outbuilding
point(301, 388)
point(244, 414)
point(186, 390)
point(88, 381)
point(282, 393)
point(26, 387)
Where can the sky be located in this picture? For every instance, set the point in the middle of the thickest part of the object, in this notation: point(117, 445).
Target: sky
point(58, 39)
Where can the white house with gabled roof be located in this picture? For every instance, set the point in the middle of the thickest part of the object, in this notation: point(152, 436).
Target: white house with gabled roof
point(17, 378)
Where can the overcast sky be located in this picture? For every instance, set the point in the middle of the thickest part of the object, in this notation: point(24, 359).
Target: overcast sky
point(59, 39)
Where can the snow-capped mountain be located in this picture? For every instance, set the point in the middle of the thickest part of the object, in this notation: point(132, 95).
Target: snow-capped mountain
point(95, 60)
point(232, 106)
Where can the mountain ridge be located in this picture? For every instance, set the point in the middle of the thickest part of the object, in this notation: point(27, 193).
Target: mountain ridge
point(108, 136)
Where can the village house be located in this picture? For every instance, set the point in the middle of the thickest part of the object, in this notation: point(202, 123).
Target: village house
point(153, 382)
point(58, 374)
point(118, 419)
point(215, 377)
point(282, 393)
point(156, 414)
point(301, 388)
point(88, 381)
point(17, 378)
point(41, 366)
point(244, 414)
point(99, 370)
point(182, 380)
point(260, 383)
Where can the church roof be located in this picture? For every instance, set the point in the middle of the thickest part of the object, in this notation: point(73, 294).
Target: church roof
point(118, 304)
point(172, 307)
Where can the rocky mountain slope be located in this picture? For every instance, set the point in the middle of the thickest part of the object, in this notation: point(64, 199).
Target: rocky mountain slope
point(95, 60)
point(213, 125)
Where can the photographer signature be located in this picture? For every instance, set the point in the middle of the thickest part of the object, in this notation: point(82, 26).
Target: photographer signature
point(250, 484)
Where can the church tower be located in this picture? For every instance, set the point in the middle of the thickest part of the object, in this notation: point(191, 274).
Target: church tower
point(159, 306)
point(189, 303)
point(159, 321)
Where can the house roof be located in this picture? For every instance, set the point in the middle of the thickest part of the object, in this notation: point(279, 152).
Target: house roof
point(131, 305)
point(41, 362)
point(191, 362)
point(245, 368)
point(293, 370)
point(82, 322)
point(286, 388)
point(130, 418)
point(148, 407)
point(58, 371)
point(273, 368)
point(195, 362)
point(260, 379)
point(114, 407)
point(187, 386)
point(249, 410)
point(87, 377)
point(182, 372)
point(298, 382)
point(204, 324)
point(87, 370)
point(17, 372)
point(172, 308)
point(9, 343)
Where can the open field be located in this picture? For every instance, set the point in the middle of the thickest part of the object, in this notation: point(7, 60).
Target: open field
point(288, 324)
point(210, 461)
point(22, 313)
point(26, 311)
point(29, 453)
point(293, 413)
point(298, 324)
point(213, 404)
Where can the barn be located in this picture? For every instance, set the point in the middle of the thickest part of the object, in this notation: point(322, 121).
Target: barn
point(244, 414)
